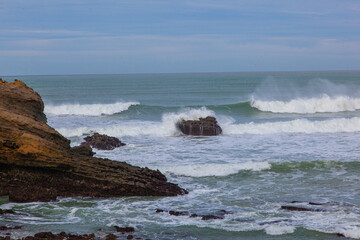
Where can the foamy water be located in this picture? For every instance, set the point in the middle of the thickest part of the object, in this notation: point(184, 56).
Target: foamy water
point(309, 105)
point(296, 140)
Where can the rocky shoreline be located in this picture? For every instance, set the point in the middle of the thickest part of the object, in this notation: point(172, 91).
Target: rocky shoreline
point(37, 163)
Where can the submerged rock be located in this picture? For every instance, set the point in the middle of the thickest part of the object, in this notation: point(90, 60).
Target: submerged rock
point(37, 163)
point(302, 209)
point(203, 127)
point(103, 142)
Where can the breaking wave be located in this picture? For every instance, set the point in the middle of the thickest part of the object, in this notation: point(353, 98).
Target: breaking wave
point(322, 104)
point(167, 127)
point(88, 109)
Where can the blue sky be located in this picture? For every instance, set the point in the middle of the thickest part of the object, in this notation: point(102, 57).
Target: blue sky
point(155, 36)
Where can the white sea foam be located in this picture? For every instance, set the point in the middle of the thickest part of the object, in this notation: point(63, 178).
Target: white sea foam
point(167, 127)
point(351, 232)
point(295, 126)
point(279, 229)
point(205, 170)
point(88, 109)
point(309, 105)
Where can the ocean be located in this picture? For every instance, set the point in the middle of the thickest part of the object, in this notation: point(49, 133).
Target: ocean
point(289, 139)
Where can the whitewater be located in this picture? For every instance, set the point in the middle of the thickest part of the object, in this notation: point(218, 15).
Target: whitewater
point(289, 139)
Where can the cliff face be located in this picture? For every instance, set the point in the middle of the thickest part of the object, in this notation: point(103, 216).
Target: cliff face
point(37, 163)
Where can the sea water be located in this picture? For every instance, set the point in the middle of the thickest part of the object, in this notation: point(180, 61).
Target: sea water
point(287, 136)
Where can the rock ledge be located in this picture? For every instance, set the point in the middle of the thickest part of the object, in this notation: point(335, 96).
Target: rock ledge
point(37, 163)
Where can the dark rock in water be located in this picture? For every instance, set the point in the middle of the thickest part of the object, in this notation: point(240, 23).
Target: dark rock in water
point(59, 236)
point(310, 203)
point(103, 142)
point(218, 214)
point(83, 150)
point(110, 237)
point(37, 163)
point(203, 127)
point(176, 213)
point(209, 217)
point(5, 228)
point(302, 209)
point(124, 229)
point(6, 211)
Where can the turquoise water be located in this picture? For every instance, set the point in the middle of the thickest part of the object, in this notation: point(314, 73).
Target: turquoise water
point(289, 136)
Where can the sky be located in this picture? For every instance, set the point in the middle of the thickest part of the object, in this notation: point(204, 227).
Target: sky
point(155, 36)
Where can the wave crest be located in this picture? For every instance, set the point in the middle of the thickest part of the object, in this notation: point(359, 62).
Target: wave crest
point(89, 109)
point(309, 105)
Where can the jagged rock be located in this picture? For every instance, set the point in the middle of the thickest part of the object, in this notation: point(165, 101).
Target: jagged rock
point(103, 142)
point(203, 127)
point(83, 149)
point(38, 163)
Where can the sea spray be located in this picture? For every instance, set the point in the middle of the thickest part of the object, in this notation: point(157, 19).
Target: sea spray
point(88, 109)
point(322, 104)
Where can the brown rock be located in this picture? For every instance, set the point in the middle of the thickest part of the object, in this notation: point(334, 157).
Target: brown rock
point(111, 237)
point(37, 163)
point(83, 149)
point(6, 211)
point(124, 229)
point(103, 142)
point(203, 127)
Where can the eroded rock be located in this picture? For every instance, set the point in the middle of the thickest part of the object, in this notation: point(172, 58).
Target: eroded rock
point(38, 163)
point(103, 142)
point(203, 127)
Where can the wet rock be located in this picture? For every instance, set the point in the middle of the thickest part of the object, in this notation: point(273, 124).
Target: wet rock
point(110, 237)
point(209, 217)
point(37, 163)
point(60, 236)
point(5, 228)
point(301, 209)
point(310, 203)
point(83, 150)
point(124, 229)
point(217, 215)
point(6, 211)
point(203, 127)
point(103, 142)
point(176, 213)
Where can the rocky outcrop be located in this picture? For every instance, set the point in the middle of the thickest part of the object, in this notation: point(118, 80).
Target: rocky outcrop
point(103, 142)
point(203, 127)
point(84, 150)
point(37, 163)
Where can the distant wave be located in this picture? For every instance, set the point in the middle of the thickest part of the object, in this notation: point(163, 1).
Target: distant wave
point(205, 170)
point(309, 105)
point(88, 109)
point(167, 127)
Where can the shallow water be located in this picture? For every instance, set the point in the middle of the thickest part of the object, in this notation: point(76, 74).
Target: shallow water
point(291, 136)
